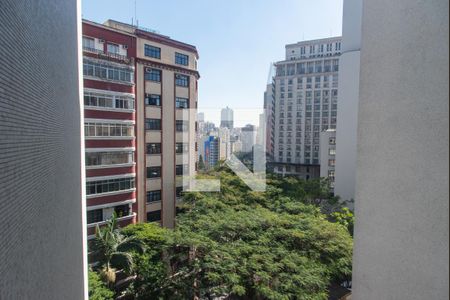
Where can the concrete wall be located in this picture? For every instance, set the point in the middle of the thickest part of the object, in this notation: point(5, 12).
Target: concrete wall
point(348, 101)
point(402, 189)
point(42, 219)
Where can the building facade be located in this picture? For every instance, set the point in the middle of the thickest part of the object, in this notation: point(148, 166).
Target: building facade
point(140, 107)
point(401, 245)
point(328, 155)
point(211, 152)
point(43, 242)
point(305, 88)
point(109, 120)
point(346, 130)
point(166, 72)
point(248, 137)
point(226, 118)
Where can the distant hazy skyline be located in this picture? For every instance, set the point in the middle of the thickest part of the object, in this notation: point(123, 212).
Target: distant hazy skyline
point(237, 40)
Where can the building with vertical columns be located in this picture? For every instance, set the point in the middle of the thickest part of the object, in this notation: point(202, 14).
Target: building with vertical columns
point(166, 106)
point(305, 89)
point(109, 123)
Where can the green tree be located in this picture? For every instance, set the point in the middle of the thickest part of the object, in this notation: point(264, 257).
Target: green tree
point(201, 163)
point(97, 289)
point(345, 217)
point(247, 245)
point(151, 266)
point(111, 249)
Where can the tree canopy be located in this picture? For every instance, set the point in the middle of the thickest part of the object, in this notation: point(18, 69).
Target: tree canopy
point(241, 244)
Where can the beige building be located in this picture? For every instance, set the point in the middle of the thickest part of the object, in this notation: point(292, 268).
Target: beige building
point(166, 106)
point(328, 155)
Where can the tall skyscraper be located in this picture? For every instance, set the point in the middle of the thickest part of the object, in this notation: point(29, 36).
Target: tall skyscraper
point(211, 153)
point(269, 114)
point(248, 137)
point(305, 90)
point(42, 239)
point(226, 118)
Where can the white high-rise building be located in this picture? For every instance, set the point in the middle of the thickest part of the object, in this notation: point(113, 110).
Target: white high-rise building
point(305, 91)
point(226, 118)
point(248, 137)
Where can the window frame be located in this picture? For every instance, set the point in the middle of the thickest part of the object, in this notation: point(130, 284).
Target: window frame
point(181, 59)
point(150, 49)
point(158, 172)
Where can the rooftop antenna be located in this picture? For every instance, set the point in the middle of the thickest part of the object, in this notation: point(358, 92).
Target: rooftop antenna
point(135, 14)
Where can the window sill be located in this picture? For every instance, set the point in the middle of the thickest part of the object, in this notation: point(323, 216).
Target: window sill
point(109, 109)
point(118, 219)
point(109, 137)
point(110, 166)
point(110, 193)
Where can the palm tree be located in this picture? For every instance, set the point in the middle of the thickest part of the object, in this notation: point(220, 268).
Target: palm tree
point(112, 250)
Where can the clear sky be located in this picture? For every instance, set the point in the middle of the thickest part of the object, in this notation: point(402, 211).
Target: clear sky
point(236, 39)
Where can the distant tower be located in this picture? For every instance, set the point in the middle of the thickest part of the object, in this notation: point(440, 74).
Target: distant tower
point(226, 118)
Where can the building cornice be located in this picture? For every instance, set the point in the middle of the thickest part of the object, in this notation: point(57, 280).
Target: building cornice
point(154, 37)
point(149, 63)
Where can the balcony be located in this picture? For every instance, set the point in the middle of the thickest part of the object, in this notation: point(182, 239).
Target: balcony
point(107, 55)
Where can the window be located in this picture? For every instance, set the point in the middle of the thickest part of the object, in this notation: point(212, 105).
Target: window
point(108, 130)
point(154, 216)
point(181, 102)
point(181, 59)
point(331, 162)
point(108, 158)
point(181, 169)
point(94, 216)
point(178, 191)
point(181, 125)
point(181, 148)
point(151, 99)
point(152, 51)
point(109, 185)
point(152, 124)
point(152, 75)
point(332, 151)
point(119, 101)
point(181, 80)
point(112, 48)
point(153, 196)
point(88, 43)
point(108, 72)
point(154, 148)
point(122, 210)
point(153, 172)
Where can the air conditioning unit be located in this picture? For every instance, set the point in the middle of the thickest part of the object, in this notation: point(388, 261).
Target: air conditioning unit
point(101, 41)
point(125, 46)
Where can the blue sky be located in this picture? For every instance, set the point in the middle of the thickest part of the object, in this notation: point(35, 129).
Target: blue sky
point(236, 39)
